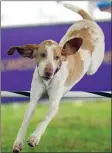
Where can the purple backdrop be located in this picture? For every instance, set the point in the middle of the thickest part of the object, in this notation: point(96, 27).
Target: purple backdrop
point(18, 78)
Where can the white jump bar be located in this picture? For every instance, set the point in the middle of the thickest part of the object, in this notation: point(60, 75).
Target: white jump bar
point(70, 94)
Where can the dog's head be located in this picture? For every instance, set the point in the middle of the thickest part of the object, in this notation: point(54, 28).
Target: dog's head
point(48, 54)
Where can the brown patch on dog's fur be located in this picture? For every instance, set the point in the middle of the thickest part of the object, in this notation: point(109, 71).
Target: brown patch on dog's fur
point(85, 35)
point(25, 51)
point(75, 67)
point(42, 49)
point(84, 15)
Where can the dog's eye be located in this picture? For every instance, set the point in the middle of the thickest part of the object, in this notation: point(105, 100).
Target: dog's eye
point(43, 55)
point(57, 57)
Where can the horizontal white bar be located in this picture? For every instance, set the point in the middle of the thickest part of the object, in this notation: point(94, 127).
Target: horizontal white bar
point(70, 94)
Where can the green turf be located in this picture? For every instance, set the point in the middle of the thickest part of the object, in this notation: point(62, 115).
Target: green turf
point(76, 128)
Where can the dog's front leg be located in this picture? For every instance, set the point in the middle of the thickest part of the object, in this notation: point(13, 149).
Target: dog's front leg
point(36, 91)
point(54, 105)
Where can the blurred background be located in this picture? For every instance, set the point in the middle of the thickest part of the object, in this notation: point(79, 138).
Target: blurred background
point(87, 115)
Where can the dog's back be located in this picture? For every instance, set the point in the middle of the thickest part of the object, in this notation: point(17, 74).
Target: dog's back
point(93, 39)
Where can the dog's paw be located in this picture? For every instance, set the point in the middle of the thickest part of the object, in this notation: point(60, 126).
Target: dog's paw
point(33, 141)
point(17, 147)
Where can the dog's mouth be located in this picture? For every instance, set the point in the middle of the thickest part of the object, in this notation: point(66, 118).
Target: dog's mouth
point(46, 78)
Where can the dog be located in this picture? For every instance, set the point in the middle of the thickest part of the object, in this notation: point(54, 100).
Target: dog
point(60, 67)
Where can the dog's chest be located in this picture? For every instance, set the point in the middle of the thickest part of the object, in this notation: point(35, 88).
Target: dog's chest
point(46, 84)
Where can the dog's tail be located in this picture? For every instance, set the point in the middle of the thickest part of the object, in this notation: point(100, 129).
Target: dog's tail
point(78, 10)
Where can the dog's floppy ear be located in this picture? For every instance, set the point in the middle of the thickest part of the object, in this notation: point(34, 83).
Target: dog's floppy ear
point(72, 46)
point(25, 51)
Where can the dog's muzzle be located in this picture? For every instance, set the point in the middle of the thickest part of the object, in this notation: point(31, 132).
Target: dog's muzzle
point(48, 72)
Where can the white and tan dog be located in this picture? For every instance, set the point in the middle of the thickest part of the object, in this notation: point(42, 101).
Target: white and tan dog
point(60, 67)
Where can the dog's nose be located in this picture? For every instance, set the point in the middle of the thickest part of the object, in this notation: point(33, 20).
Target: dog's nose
point(48, 74)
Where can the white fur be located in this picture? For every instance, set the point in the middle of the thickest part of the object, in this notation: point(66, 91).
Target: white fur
point(41, 67)
point(97, 56)
point(50, 56)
